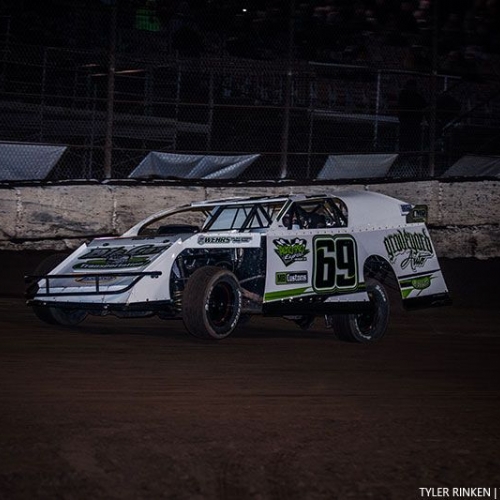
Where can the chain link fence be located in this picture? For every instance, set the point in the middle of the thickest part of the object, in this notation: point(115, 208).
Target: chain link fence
point(294, 114)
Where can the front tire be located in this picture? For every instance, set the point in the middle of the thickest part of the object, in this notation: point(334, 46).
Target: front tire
point(365, 327)
point(56, 315)
point(211, 303)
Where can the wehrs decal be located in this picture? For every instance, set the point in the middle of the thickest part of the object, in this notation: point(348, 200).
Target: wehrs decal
point(290, 251)
point(417, 247)
point(222, 240)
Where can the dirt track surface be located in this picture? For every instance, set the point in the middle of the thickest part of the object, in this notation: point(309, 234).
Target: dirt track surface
point(131, 409)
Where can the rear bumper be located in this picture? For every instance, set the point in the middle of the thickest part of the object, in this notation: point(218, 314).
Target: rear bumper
point(436, 300)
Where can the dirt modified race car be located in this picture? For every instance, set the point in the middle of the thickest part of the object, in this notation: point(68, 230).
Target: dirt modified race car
point(216, 263)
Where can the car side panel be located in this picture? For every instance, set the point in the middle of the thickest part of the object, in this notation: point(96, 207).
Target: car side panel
point(322, 262)
point(302, 263)
point(411, 254)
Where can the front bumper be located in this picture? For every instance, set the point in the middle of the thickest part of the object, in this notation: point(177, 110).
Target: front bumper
point(33, 288)
point(96, 295)
point(165, 307)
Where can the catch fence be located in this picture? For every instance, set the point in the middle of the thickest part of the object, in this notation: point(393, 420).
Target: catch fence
point(294, 115)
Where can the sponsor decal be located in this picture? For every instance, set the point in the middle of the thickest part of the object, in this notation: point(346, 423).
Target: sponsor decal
point(417, 247)
point(287, 278)
point(223, 240)
point(93, 279)
point(290, 251)
point(420, 283)
point(405, 208)
point(119, 257)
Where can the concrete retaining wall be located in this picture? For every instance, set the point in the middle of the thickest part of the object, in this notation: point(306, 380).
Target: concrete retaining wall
point(463, 217)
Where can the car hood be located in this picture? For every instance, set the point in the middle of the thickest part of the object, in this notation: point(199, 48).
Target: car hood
point(120, 254)
point(111, 264)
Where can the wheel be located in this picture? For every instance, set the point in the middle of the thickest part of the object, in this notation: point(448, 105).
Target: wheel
point(368, 326)
point(305, 322)
point(59, 316)
point(211, 303)
point(56, 315)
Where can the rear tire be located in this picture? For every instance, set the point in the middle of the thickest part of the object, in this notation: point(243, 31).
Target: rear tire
point(56, 315)
point(365, 327)
point(211, 303)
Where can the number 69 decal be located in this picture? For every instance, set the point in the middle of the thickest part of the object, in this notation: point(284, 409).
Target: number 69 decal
point(335, 263)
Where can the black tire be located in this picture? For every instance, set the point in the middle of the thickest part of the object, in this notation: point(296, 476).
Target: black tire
point(56, 315)
point(305, 322)
point(368, 326)
point(211, 303)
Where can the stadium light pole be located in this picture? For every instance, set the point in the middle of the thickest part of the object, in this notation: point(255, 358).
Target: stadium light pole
point(288, 94)
point(108, 140)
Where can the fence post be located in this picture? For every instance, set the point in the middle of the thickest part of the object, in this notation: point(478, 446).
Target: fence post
point(377, 111)
point(312, 106)
point(4, 53)
point(148, 91)
point(178, 89)
point(42, 97)
point(90, 159)
point(108, 141)
point(210, 110)
point(286, 124)
point(288, 94)
point(433, 114)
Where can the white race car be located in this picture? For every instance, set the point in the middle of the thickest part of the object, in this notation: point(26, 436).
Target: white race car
point(215, 263)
